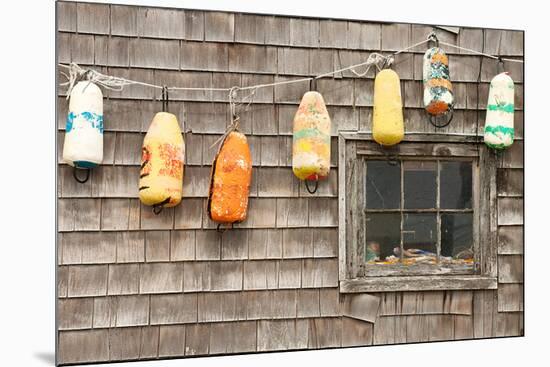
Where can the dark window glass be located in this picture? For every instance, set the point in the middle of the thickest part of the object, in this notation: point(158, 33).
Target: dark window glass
point(420, 181)
point(456, 235)
point(419, 235)
point(383, 235)
point(383, 185)
point(456, 185)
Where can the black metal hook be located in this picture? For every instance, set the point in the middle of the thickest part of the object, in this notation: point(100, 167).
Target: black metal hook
point(313, 84)
point(433, 37)
point(75, 175)
point(433, 119)
point(221, 231)
point(314, 190)
point(164, 97)
point(157, 209)
point(500, 65)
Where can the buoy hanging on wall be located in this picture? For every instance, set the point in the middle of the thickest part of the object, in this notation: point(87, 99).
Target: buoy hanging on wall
point(162, 157)
point(387, 120)
point(83, 145)
point(230, 180)
point(499, 121)
point(438, 91)
point(311, 140)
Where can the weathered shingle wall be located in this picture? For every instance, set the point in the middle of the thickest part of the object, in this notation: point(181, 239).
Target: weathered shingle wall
point(133, 285)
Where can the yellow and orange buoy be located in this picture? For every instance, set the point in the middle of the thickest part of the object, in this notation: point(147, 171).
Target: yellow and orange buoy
point(230, 180)
point(163, 152)
point(387, 120)
point(311, 138)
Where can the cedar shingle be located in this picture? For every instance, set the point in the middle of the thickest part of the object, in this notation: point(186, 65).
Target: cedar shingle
point(208, 245)
point(279, 30)
point(297, 243)
point(204, 56)
point(124, 343)
point(262, 95)
point(130, 247)
point(292, 212)
point(171, 340)
point(233, 337)
point(356, 332)
point(361, 306)
point(182, 245)
point(261, 213)
point(321, 61)
point(395, 37)
point(92, 18)
point(219, 26)
point(293, 61)
point(333, 33)
point(283, 304)
point(319, 273)
point(269, 146)
point(189, 213)
point(330, 302)
point(510, 240)
point(86, 214)
point(325, 242)
point(174, 309)
point(75, 313)
point(87, 248)
point(252, 59)
point(304, 32)
point(157, 246)
point(123, 279)
point(510, 269)
point(336, 92)
point(260, 274)
point(66, 16)
point(132, 310)
point(160, 23)
point(196, 181)
point(282, 334)
point(124, 20)
point(197, 337)
point(87, 280)
point(250, 28)
point(264, 244)
point(210, 307)
point(308, 303)
point(290, 92)
point(196, 276)
point(234, 244)
point(83, 346)
point(128, 148)
point(323, 212)
point(149, 220)
point(104, 312)
point(116, 181)
point(290, 273)
point(325, 333)
point(115, 214)
point(159, 54)
point(364, 36)
point(510, 211)
point(161, 278)
point(226, 275)
point(149, 342)
point(277, 182)
point(510, 297)
point(194, 25)
point(62, 280)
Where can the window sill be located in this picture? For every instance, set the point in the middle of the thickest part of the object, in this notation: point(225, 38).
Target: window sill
point(417, 283)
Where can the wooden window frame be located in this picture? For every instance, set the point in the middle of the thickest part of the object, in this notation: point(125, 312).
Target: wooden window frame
point(353, 148)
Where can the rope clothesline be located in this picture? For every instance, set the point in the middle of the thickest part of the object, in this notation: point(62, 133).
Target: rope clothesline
point(375, 59)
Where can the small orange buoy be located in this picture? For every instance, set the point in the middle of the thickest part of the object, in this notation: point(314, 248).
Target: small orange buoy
point(230, 180)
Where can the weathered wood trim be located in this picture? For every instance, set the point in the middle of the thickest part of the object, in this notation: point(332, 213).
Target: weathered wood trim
point(419, 137)
point(416, 149)
point(341, 208)
point(417, 283)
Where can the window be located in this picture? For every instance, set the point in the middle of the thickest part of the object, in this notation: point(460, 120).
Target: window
point(422, 218)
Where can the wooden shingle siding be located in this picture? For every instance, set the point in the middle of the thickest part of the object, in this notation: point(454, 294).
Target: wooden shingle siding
point(133, 285)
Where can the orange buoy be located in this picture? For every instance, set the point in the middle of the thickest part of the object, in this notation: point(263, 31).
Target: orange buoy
point(230, 180)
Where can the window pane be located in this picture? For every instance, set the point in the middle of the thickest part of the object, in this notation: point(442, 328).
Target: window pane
point(457, 236)
point(420, 184)
point(456, 185)
point(383, 185)
point(419, 238)
point(383, 235)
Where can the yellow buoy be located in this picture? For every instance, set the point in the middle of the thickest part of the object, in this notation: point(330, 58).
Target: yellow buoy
point(161, 175)
point(387, 119)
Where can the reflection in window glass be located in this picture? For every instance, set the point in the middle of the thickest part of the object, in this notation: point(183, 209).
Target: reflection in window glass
point(419, 238)
point(456, 185)
point(383, 185)
point(383, 235)
point(420, 181)
point(456, 235)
